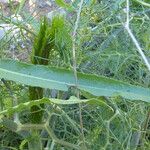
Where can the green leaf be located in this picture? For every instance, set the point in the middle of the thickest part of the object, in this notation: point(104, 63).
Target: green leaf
point(65, 5)
point(27, 105)
point(62, 79)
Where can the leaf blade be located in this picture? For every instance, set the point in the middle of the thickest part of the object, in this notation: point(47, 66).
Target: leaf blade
point(62, 79)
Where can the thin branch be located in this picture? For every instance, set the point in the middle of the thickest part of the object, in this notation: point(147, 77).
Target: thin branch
point(74, 42)
point(127, 10)
point(139, 49)
point(134, 39)
point(146, 123)
point(30, 126)
point(17, 24)
point(75, 67)
point(143, 3)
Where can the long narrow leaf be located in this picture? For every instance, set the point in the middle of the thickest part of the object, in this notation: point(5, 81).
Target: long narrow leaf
point(62, 79)
point(72, 100)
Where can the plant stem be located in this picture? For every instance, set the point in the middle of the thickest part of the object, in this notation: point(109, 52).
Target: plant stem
point(35, 142)
point(36, 113)
point(139, 49)
point(75, 69)
point(146, 123)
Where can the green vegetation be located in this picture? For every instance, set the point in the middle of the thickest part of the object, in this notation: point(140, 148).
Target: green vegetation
point(48, 42)
point(43, 107)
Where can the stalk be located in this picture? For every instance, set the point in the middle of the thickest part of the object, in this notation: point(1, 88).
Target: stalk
point(53, 39)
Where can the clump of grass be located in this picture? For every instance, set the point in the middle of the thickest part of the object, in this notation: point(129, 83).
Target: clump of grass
point(52, 40)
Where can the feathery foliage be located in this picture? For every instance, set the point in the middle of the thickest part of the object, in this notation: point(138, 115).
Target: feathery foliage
point(103, 48)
